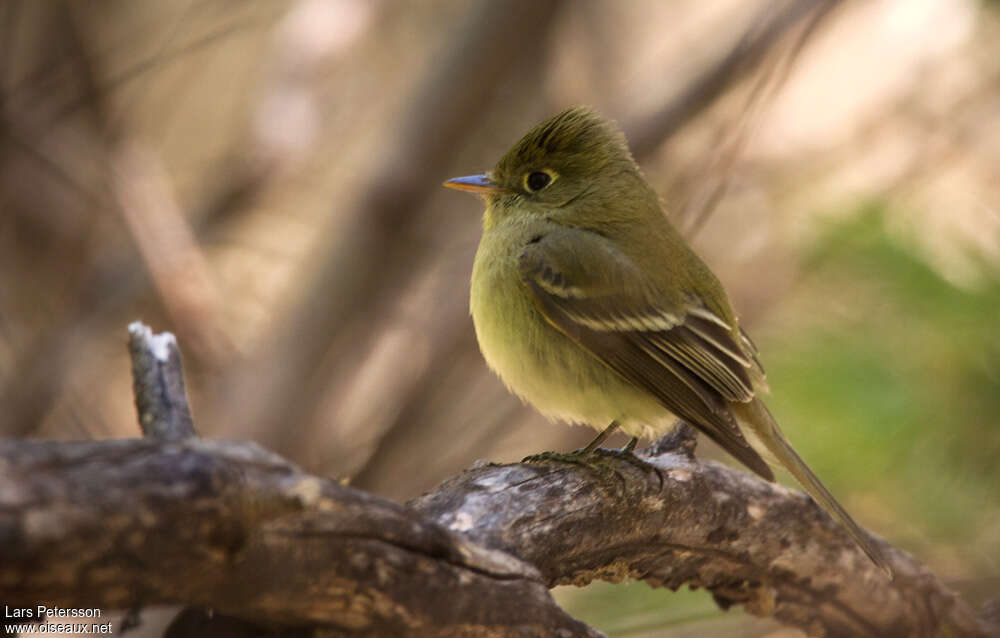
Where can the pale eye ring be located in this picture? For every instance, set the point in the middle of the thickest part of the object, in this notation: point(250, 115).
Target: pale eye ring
point(537, 180)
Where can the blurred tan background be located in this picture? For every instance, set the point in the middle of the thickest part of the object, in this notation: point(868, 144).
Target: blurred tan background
point(263, 179)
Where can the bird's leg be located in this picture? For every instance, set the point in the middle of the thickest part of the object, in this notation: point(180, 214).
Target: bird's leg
point(626, 453)
point(576, 456)
point(593, 449)
point(605, 433)
point(630, 445)
point(628, 456)
point(587, 456)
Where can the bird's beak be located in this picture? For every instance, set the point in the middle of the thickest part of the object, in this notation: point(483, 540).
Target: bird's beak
point(479, 184)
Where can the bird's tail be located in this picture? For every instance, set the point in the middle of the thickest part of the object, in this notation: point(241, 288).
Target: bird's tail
point(756, 415)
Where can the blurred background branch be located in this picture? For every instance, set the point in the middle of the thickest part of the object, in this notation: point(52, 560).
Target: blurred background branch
point(834, 161)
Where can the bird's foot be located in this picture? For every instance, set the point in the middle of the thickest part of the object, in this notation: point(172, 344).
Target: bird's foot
point(588, 455)
point(626, 454)
point(576, 457)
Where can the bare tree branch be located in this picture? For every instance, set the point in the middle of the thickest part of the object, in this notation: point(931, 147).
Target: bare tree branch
point(244, 533)
point(249, 535)
point(700, 524)
point(231, 527)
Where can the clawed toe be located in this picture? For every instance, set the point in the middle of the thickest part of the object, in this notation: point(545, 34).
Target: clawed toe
point(576, 457)
point(584, 456)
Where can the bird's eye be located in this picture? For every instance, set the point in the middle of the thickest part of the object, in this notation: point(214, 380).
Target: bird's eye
point(538, 180)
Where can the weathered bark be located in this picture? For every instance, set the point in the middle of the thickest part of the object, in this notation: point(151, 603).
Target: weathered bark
point(231, 527)
point(228, 526)
point(698, 523)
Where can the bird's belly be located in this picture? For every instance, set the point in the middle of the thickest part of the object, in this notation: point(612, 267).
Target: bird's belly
point(548, 370)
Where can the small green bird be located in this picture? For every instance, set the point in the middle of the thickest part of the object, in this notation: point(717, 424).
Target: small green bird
point(590, 305)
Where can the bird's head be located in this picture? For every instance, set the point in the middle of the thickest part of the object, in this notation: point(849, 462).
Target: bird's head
point(563, 168)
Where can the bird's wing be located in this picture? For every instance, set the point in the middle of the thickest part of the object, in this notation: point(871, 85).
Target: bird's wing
point(687, 358)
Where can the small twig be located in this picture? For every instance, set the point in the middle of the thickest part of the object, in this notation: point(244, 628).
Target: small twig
point(169, 248)
point(766, 86)
point(158, 382)
point(646, 134)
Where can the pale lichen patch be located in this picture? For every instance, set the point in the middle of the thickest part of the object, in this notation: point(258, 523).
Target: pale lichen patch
point(680, 475)
point(503, 478)
point(462, 522)
point(307, 491)
point(157, 344)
